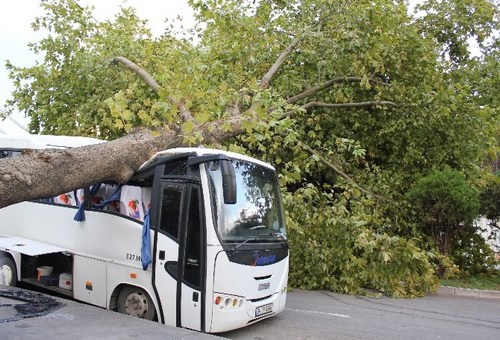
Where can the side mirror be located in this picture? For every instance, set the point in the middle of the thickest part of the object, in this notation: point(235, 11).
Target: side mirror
point(227, 171)
point(228, 181)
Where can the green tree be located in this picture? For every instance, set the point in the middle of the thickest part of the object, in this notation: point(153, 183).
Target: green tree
point(334, 249)
point(352, 101)
point(446, 206)
point(490, 198)
point(454, 23)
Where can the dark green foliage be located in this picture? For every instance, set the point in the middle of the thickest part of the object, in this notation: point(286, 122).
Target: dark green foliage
point(473, 255)
point(446, 206)
point(335, 250)
point(490, 199)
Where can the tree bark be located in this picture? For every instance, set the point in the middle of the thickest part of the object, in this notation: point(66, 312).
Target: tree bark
point(266, 79)
point(148, 79)
point(37, 173)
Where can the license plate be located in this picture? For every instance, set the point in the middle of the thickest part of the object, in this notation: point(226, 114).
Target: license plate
point(262, 310)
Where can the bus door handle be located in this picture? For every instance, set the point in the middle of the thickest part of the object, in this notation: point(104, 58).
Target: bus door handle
point(161, 255)
point(195, 296)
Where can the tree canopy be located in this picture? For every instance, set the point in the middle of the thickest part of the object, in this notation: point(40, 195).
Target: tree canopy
point(446, 206)
point(352, 102)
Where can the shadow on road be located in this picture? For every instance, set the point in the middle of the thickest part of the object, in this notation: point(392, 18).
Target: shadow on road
point(27, 304)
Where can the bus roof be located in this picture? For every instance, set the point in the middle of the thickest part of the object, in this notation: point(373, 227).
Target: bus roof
point(200, 151)
point(28, 141)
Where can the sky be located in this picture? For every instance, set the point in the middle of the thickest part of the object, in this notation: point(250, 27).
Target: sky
point(16, 17)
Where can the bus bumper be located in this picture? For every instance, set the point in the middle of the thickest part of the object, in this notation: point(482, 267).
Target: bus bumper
point(232, 312)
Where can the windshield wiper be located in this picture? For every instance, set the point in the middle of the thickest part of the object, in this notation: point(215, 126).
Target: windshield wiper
point(256, 239)
point(231, 252)
point(278, 234)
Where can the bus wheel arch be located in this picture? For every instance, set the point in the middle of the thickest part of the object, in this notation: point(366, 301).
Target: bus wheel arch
point(8, 270)
point(133, 301)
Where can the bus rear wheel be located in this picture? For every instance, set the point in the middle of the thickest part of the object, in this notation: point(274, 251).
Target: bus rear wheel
point(8, 272)
point(134, 301)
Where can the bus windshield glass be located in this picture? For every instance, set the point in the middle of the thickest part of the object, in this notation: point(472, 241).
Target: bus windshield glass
point(257, 214)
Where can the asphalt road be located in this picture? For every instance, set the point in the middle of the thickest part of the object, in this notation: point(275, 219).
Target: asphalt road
point(324, 315)
point(308, 315)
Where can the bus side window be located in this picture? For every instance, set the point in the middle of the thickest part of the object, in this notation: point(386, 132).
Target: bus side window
point(146, 198)
point(131, 202)
point(68, 198)
point(170, 209)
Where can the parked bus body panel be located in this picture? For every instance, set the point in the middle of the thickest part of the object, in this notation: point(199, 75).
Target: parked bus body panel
point(98, 238)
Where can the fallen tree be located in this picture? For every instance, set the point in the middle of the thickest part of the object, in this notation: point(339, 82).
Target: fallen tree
point(351, 102)
point(37, 173)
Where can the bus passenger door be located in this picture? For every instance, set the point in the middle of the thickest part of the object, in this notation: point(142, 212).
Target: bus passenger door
point(192, 256)
point(166, 248)
point(179, 254)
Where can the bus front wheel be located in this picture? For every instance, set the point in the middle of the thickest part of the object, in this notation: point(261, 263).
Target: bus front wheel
point(8, 272)
point(134, 301)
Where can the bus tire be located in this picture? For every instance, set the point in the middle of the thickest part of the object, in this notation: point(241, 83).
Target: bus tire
point(134, 301)
point(8, 271)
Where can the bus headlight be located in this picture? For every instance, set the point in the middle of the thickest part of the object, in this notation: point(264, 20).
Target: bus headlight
point(228, 302)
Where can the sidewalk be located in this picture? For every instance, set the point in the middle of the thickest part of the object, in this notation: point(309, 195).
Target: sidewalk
point(489, 294)
point(30, 315)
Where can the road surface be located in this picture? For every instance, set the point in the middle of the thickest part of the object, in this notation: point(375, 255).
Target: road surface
point(325, 315)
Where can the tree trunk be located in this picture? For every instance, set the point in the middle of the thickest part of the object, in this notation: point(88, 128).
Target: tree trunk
point(47, 173)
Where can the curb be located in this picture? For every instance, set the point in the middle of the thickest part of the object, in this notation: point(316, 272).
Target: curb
point(478, 293)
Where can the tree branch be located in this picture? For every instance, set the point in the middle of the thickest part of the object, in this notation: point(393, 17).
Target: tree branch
point(148, 79)
point(340, 172)
point(328, 84)
point(184, 112)
point(349, 105)
point(38, 172)
point(340, 106)
point(266, 80)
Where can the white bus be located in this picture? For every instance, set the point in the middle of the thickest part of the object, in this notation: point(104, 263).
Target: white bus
point(196, 239)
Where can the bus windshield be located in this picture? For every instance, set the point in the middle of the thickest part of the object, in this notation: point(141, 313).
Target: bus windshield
point(257, 214)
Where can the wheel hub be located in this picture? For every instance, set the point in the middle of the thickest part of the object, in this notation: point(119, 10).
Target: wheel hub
point(136, 305)
point(5, 275)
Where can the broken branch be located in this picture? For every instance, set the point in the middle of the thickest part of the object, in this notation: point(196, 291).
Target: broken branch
point(349, 105)
point(327, 84)
point(185, 113)
point(340, 106)
point(266, 80)
point(148, 79)
point(340, 172)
